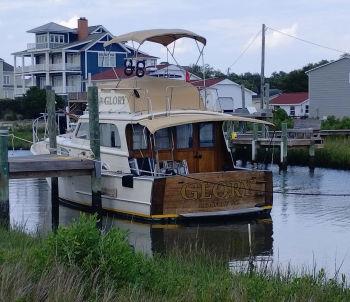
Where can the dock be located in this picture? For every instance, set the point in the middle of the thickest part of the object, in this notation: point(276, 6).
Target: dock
point(284, 140)
point(52, 165)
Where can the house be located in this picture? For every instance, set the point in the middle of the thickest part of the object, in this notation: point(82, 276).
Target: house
point(172, 71)
point(224, 95)
point(329, 89)
point(296, 104)
point(6, 80)
point(64, 57)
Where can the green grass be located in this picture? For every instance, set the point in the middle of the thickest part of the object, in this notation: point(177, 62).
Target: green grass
point(81, 264)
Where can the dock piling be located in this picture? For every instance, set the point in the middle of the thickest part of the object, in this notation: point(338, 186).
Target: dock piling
point(95, 148)
point(4, 180)
point(52, 128)
point(255, 143)
point(312, 155)
point(284, 147)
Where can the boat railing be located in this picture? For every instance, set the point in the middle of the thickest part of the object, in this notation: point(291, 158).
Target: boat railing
point(36, 125)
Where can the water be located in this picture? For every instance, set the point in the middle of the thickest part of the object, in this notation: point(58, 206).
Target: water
point(302, 231)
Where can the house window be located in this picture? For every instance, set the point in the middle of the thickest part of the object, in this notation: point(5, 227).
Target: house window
point(41, 38)
point(306, 109)
point(292, 111)
point(57, 39)
point(6, 80)
point(107, 59)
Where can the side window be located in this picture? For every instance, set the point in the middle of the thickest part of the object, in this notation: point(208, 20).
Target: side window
point(139, 137)
point(109, 136)
point(162, 139)
point(184, 136)
point(206, 135)
point(292, 110)
point(83, 131)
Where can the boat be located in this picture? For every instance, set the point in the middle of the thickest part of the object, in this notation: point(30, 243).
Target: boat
point(164, 155)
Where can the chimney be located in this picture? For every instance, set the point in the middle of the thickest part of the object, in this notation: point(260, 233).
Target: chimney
point(83, 30)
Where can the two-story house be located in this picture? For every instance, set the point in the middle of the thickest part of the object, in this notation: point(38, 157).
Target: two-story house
point(64, 57)
point(6, 80)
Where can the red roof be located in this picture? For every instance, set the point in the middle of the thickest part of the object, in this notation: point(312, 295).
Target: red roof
point(208, 82)
point(110, 74)
point(292, 98)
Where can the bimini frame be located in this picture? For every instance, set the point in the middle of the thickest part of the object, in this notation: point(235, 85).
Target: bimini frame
point(164, 37)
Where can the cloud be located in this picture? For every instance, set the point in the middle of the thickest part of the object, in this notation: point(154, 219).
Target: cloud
point(275, 39)
point(71, 22)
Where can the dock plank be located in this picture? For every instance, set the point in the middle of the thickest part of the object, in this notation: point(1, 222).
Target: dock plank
point(38, 166)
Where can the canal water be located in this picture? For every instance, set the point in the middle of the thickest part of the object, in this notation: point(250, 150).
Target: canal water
point(304, 230)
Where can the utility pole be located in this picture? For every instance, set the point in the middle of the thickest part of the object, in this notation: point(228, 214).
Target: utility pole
point(262, 74)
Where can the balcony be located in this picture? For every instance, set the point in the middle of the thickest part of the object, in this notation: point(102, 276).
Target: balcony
point(52, 67)
point(41, 46)
point(69, 89)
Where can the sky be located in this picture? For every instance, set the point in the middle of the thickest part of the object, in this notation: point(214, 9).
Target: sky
point(229, 27)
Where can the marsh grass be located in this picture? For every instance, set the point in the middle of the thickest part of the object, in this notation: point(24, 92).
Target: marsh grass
point(81, 264)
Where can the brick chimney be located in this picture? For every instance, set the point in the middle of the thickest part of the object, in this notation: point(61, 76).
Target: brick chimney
point(83, 30)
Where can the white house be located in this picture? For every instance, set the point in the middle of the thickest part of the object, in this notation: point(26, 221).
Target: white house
point(6, 80)
point(172, 71)
point(224, 95)
point(296, 104)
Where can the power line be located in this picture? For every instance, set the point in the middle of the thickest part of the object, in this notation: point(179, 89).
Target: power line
point(246, 49)
point(307, 41)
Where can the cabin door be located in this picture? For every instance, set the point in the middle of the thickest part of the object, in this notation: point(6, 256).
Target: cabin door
point(205, 151)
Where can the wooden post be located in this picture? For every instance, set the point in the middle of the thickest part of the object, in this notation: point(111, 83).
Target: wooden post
point(284, 146)
point(96, 202)
point(243, 96)
point(312, 155)
point(255, 142)
point(52, 128)
point(4, 179)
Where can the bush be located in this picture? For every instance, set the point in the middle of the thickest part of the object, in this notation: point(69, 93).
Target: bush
point(29, 106)
point(279, 117)
point(332, 123)
point(82, 245)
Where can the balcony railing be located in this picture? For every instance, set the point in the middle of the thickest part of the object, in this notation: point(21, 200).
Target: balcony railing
point(33, 46)
point(52, 67)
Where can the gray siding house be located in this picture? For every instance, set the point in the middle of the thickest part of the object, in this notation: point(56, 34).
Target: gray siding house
point(6, 80)
point(329, 89)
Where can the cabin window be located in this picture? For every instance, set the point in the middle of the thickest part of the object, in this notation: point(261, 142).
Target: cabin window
point(139, 138)
point(162, 139)
point(184, 136)
point(83, 131)
point(109, 136)
point(206, 135)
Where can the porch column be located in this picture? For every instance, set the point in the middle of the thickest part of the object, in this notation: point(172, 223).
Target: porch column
point(47, 68)
point(23, 80)
point(64, 82)
point(14, 76)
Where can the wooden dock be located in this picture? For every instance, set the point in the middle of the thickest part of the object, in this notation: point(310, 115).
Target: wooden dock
point(51, 165)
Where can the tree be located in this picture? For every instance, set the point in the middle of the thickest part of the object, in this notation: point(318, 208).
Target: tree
point(280, 116)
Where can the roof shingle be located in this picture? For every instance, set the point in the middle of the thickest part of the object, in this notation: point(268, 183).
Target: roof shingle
point(292, 98)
